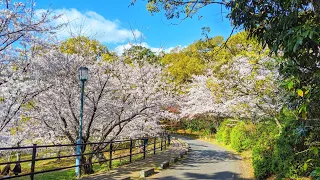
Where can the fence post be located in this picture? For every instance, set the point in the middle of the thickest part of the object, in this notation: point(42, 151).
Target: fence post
point(144, 148)
point(161, 143)
point(110, 157)
point(131, 150)
point(33, 162)
point(165, 142)
point(154, 145)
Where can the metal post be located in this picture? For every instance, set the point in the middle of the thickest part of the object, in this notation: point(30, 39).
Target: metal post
point(131, 143)
point(110, 157)
point(33, 162)
point(144, 148)
point(79, 141)
point(154, 145)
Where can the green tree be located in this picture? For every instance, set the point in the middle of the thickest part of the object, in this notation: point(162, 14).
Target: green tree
point(140, 55)
point(289, 28)
point(86, 47)
point(180, 66)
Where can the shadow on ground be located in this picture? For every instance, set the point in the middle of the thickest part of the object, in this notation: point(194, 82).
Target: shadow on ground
point(225, 175)
point(127, 170)
point(205, 161)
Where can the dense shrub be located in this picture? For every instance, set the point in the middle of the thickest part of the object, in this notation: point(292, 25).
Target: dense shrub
point(242, 136)
point(284, 154)
point(200, 124)
point(293, 155)
point(223, 134)
point(226, 135)
point(263, 148)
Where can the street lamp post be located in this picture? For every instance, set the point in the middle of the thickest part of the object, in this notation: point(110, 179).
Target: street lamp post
point(83, 76)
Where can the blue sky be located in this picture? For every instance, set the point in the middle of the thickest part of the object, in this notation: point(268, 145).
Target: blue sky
point(112, 23)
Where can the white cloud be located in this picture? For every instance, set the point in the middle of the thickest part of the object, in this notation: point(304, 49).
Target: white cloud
point(121, 48)
point(93, 25)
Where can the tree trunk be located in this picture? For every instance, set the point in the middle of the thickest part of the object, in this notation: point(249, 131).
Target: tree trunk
point(87, 164)
point(59, 154)
point(101, 158)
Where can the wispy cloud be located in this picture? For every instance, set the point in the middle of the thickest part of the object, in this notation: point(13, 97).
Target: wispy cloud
point(94, 25)
point(121, 48)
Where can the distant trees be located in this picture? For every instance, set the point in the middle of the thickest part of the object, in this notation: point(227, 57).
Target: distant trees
point(86, 47)
point(139, 54)
point(181, 65)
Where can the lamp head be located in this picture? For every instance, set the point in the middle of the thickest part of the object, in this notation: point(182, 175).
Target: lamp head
point(83, 73)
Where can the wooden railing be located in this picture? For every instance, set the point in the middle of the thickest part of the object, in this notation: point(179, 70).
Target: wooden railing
point(127, 149)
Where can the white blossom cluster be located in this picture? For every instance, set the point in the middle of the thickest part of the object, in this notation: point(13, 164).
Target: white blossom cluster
point(247, 90)
point(23, 31)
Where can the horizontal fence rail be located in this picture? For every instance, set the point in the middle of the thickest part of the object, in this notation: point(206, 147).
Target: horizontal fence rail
point(126, 149)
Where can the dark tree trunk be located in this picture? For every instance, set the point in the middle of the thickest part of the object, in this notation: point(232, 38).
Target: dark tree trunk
point(87, 167)
point(101, 158)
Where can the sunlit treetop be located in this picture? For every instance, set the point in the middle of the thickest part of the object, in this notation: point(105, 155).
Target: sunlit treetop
point(140, 55)
point(84, 46)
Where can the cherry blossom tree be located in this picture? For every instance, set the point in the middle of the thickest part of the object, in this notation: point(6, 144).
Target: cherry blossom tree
point(246, 90)
point(119, 97)
point(23, 31)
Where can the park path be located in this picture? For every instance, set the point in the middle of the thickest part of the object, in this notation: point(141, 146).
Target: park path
point(132, 170)
point(205, 161)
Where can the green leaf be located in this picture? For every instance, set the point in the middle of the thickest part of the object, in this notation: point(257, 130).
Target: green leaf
point(315, 150)
point(310, 34)
point(305, 166)
point(315, 173)
point(300, 92)
point(306, 92)
point(297, 44)
point(303, 108)
point(290, 85)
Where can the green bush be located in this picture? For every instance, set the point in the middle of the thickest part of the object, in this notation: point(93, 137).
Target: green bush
point(286, 154)
point(262, 150)
point(220, 131)
point(223, 134)
point(226, 135)
point(241, 136)
point(203, 124)
point(289, 154)
point(293, 156)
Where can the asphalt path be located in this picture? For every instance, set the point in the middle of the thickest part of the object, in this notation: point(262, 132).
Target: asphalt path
point(205, 161)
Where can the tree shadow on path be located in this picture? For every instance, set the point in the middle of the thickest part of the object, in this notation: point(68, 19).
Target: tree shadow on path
point(225, 175)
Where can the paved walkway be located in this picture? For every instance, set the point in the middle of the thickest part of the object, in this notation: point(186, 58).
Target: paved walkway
point(132, 170)
point(205, 161)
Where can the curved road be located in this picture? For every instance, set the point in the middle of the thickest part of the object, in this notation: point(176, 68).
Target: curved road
point(204, 161)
